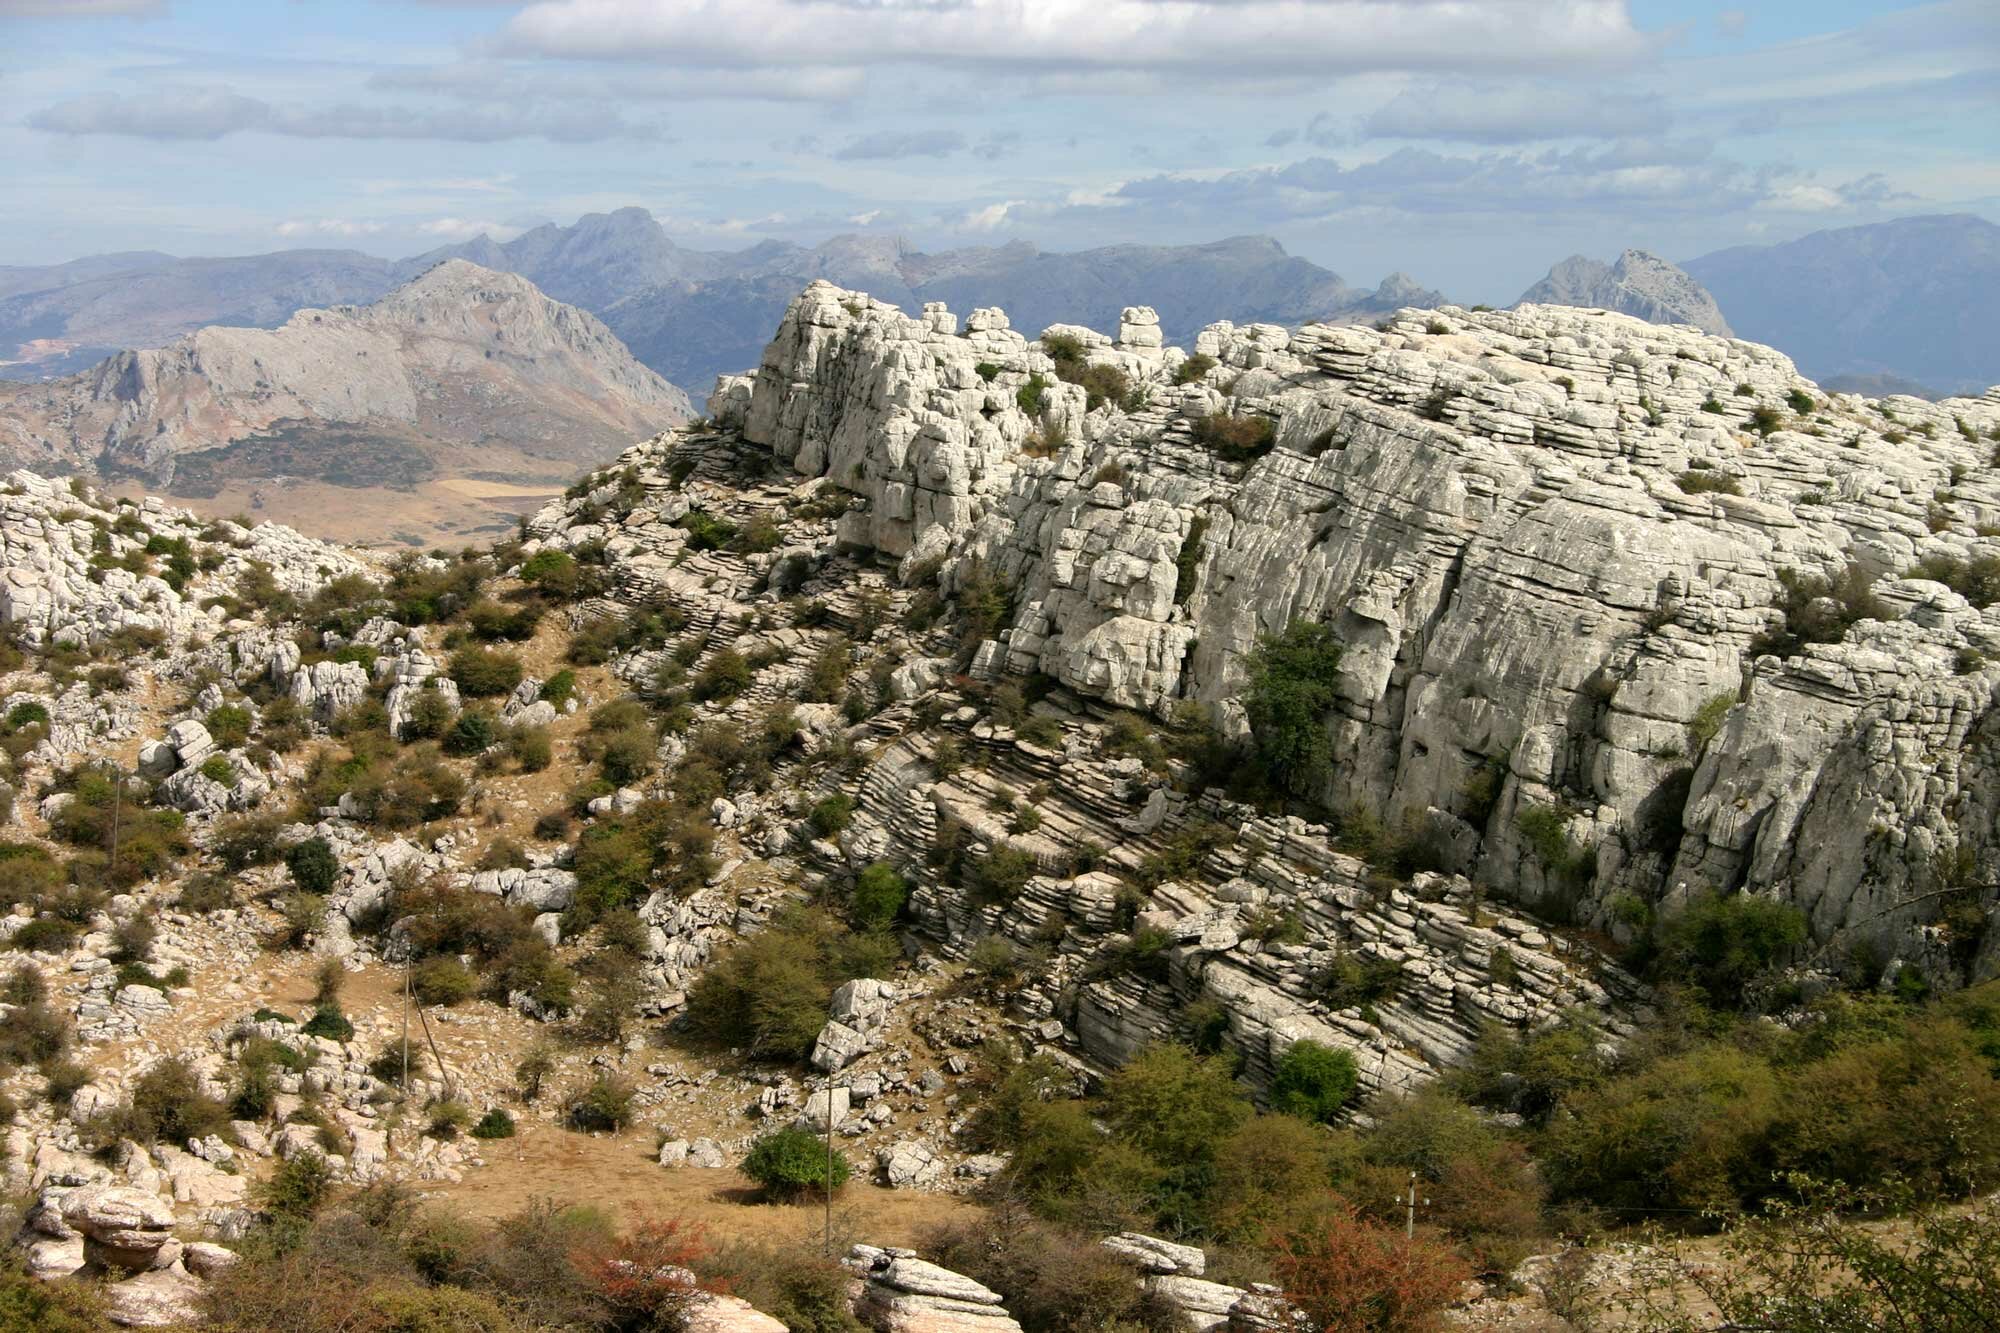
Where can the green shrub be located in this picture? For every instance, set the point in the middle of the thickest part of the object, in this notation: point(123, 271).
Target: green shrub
point(1235, 439)
point(999, 876)
point(1977, 580)
point(442, 979)
point(328, 1021)
point(1819, 609)
point(557, 689)
point(472, 733)
point(1545, 830)
point(229, 725)
point(1194, 368)
point(495, 1124)
point(793, 1161)
point(554, 572)
point(1291, 692)
point(1314, 1081)
point(878, 895)
point(1188, 563)
point(485, 673)
point(1707, 720)
point(603, 1104)
point(1707, 482)
point(768, 993)
point(1725, 945)
point(723, 677)
point(1354, 980)
point(299, 1188)
point(1031, 397)
point(832, 815)
point(314, 867)
point(705, 531)
point(167, 1103)
point(44, 934)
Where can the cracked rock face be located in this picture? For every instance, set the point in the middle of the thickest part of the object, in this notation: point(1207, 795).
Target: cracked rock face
point(1548, 539)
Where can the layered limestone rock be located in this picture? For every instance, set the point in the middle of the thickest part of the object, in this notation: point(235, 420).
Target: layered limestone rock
point(80, 568)
point(1554, 543)
point(906, 1294)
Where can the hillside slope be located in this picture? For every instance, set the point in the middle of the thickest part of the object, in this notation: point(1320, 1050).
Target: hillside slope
point(462, 371)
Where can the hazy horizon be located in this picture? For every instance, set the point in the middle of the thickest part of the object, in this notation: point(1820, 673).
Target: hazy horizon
point(1470, 146)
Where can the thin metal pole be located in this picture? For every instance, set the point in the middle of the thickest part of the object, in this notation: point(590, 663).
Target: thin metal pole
point(117, 804)
point(1410, 1225)
point(406, 1027)
point(826, 1242)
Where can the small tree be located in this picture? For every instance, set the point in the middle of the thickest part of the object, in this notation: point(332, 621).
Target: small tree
point(792, 1162)
point(313, 865)
point(879, 895)
point(1313, 1081)
point(1291, 690)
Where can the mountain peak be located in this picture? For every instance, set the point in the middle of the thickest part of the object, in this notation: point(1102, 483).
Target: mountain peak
point(1640, 283)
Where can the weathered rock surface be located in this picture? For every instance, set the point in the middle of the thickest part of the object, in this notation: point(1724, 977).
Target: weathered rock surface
point(905, 1294)
point(1455, 494)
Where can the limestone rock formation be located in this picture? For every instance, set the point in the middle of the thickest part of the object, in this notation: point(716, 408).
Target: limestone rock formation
point(906, 1294)
point(1639, 284)
point(1456, 494)
point(460, 366)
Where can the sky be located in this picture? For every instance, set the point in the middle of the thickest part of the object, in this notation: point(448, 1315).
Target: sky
point(1469, 143)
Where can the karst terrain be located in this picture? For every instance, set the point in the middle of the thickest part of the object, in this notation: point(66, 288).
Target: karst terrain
point(1103, 795)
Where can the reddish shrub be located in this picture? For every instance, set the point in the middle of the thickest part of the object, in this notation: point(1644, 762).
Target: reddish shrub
point(1350, 1276)
point(645, 1278)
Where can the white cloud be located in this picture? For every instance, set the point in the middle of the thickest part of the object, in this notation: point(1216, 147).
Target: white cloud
point(463, 229)
point(990, 218)
point(1801, 199)
point(1514, 113)
point(212, 113)
point(330, 227)
point(891, 144)
point(1317, 36)
point(492, 80)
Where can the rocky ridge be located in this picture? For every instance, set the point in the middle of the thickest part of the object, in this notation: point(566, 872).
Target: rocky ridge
point(457, 361)
point(1639, 284)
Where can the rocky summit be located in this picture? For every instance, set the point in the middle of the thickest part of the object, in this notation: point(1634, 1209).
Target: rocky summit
point(988, 764)
point(1639, 284)
point(460, 372)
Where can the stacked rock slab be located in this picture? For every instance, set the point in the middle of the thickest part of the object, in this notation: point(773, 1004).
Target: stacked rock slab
point(903, 1294)
point(1552, 542)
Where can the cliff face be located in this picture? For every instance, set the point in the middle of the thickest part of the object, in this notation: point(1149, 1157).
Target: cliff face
point(1550, 541)
point(461, 359)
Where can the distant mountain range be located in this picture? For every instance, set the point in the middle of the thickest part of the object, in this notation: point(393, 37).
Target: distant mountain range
point(1912, 299)
point(688, 314)
point(1909, 300)
point(463, 376)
